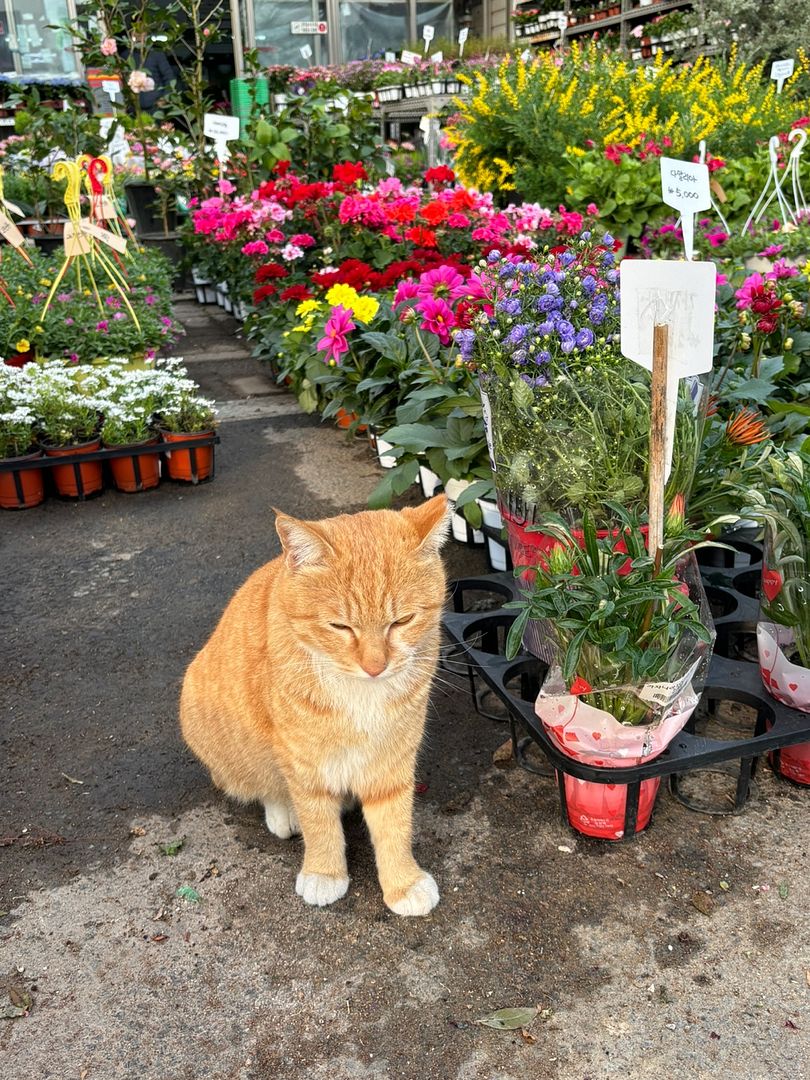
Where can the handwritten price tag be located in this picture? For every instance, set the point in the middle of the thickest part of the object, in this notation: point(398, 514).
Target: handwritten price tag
point(781, 70)
point(75, 242)
point(104, 236)
point(220, 128)
point(410, 58)
point(10, 232)
point(685, 187)
point(681, 296)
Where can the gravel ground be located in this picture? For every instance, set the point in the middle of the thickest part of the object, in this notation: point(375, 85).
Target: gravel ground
point(683, 952)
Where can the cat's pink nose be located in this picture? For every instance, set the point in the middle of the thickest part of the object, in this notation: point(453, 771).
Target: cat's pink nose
point(374, 667)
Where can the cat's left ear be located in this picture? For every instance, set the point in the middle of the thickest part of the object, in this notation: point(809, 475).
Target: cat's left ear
point(432, 522)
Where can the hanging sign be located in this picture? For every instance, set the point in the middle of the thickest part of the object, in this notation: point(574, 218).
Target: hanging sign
point(680, 296)
point(685, 187)
point(781, 70)
point(10, 232)
point(309, 28)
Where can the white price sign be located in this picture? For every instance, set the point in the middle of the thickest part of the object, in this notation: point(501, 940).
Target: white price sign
point(309, 28)
point(681, 296)
point(462, 39)
point(428, 33)
point(390, 57)
point(437, 57)
point(781, 70)
point(408, 57)
point(220, 128)
point(685, 187)
point(306, 51)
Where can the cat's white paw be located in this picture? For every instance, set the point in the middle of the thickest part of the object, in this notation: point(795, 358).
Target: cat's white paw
point(321, 889)
point(281, 820)
point(420, 899)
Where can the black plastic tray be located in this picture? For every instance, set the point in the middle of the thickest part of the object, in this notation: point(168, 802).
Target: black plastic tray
point(480, 636)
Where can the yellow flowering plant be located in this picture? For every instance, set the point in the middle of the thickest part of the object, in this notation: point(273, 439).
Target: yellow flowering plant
point(533, 125)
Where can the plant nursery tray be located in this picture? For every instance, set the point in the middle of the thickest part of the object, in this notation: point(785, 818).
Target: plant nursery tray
point(480, 636)
point(192, 445)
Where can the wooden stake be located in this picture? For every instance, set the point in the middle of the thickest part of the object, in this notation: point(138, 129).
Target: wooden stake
point(658, 425)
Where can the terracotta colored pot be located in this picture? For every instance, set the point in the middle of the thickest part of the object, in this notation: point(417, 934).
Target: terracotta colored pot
point(31, 485)
point(65, 475)
point(345, 420)
point(598, 809)
point(124, 472)
point(179, 461)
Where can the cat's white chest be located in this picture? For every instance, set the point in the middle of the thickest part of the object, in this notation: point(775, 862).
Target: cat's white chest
point(347, 767)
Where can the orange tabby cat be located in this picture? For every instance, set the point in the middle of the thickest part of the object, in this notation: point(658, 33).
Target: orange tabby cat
point(314, 687)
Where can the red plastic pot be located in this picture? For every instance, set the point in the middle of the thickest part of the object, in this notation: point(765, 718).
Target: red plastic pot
point(123, 469)
point(32, 485)
point(65, 475)
point(179, 461)
point(598, 809)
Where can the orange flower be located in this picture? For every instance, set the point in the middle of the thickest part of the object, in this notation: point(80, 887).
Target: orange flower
point(434, 213)
point(746, 428)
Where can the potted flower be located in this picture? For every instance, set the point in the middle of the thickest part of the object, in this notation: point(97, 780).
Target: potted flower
point(128, 425)
point(568, 415)
point(189, 417)
point(69, 422)
point(782, 504)
point(19, 488)
point(628, 639)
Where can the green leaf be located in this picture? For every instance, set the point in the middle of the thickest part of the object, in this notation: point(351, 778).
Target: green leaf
point(383, 493)
point(185, 892)
point(514, 639)
point(388, 345)
point(403, 476)
point(172, 847)
point(416, 438)
point(508, 1019)
point(522, 394)
point(478, 490)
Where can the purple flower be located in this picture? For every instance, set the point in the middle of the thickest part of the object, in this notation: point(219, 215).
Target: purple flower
point(112, 301)
point(150, 300)
point(546, 327)
point(63, 297)
point(565, 328)
point(68, 322)
point(119, 315)
point(465, 340)
point(509, 306)
point(567, 345)
point(548, 303)
point(166, 320)
point(608, 240)
point(493, 257)
point(543, 357)
point(589, 285)
point(584, 338)
point(517, 334)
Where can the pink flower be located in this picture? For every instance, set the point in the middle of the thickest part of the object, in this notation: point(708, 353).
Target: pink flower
point(717, 237)
point(334, 342)
point(303, 240)
point(150, 300)
point(274, 236)
point(592, 209)
point(103, 326)
point(255, 247)
point(140, 82)
point(109, 46)
point(225, 187)
point(119, 315)
point(458, 221)
point(166, 320)
point(444, 281)
point(406, 290)
point(782, 269)
point(290, 252)
point(437, 318)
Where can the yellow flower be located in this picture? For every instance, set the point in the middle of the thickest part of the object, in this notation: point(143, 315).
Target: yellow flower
point(23, 345)
point(39, 329)
point(45, 281)
point(343, 295)
point(365, 308)
point(306, 306)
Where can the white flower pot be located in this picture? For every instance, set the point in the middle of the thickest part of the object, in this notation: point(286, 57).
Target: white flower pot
point(222, 293)
point(429, 480)
point(437, 86)
point(210, 294)
point(386, 460)
point(495, 549)
point(461, 530)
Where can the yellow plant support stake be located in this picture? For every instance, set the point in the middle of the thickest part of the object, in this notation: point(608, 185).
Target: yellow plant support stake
point(79, 238)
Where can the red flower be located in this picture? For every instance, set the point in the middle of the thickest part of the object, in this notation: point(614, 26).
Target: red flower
point(767, 324)
point(263, 292)
point(270, 271)
point(580, 686)
point(440, 174)
point(349, 173)
point(434, 213)
point(424, 237)
point(294, 292)
point(402, 213)
point(615, 151)
point(281, 168)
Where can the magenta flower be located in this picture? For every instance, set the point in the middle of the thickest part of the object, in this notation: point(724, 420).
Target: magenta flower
point(103, 326)
point(437, 318)
point(303, 240)
point(150, 300)
point(166, 320)
point(274, 236)
point(406, 290)
point(334, 342)
point(444, 281)
point(68, 321)
point(112, 301)
point(255, 247)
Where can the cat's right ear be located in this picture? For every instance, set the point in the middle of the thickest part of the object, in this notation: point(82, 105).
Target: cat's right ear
point(432, 522)
point(304, 545)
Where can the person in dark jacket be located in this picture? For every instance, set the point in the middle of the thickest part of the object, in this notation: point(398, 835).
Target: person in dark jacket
point(156, 65)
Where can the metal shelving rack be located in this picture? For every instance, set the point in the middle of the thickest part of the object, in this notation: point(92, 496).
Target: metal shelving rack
point(632, 13)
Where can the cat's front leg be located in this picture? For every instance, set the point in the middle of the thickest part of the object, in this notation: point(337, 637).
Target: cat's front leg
point(323, 877)
point(407, 888)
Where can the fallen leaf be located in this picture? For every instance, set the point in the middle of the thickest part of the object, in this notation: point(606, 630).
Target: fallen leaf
point(527, 1036)
point(565, 848)
point(703, 903)
point(3, 914)
point(713, 1035)
point(21, 1000)
point(806, 974)
point(172, 847)
point(136, 830)
point(185, 892)
point(159, 937)
point(12, 1012)
point(72, 779)
point(724, 885)
point(784, 889)
point(84, 1074)
point(508, 1019)
point(212, 871)
point(503, 755)
point(546, 1014)
point(791, 1025)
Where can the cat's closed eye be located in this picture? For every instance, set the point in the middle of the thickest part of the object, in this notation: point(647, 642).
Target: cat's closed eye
point(403, 621)
point(339, 626)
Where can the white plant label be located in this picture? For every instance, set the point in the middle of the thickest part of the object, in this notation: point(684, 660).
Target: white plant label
point(410, 58)
point(486, 416)
point(681, 296)
point(390, 58)
point(306, 51)
point(424, 125)
point(428, 33)
point(13, 208)
point(781, 70)
point(75, 242)
point(104, 236)
point(685, 187)
point(220, 128)
point(664, 694)
point(462, 39)
point(437, 57)
point(112, 87)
